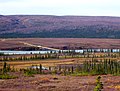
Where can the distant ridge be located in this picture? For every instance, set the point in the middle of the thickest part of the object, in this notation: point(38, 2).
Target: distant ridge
point(46, 26)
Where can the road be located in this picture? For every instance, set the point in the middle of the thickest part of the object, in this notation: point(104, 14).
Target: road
point(44, 47)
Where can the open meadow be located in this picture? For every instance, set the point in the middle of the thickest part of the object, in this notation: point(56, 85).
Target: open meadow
point(60, 43)
point(59, 83)
point(60, 71)
point(64, 74)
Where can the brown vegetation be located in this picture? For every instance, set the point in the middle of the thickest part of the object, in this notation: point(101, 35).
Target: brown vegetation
point(62, 83)
point(72, 43)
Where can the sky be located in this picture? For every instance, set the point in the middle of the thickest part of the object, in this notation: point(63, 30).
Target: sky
point(60, 7)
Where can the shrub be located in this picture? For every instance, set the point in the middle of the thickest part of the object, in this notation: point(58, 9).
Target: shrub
point(99, 84)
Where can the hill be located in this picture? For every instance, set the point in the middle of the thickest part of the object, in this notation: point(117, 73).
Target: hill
point(46, 26)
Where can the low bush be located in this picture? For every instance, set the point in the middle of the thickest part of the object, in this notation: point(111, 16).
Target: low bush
point(6, 76)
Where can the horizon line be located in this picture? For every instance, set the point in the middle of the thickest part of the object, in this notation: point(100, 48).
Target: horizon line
point(56, 15)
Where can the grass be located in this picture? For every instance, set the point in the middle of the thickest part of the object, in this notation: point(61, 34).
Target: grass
point(116, 74)
point(80, 74)
point(52, 62)
point(45, 63)
point(30, 73)
point(6, 76)
point(84, 74)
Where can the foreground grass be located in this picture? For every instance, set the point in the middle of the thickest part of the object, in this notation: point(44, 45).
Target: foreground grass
point(84, 74)
point(80, 74)
point(7, 76)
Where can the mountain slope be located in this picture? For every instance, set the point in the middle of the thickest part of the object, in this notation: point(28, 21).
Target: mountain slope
point(59, 26)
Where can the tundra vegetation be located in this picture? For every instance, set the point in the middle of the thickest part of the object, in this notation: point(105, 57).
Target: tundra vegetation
point(92, 64)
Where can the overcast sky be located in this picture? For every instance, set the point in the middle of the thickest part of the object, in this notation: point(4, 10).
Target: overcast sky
point(61, 7)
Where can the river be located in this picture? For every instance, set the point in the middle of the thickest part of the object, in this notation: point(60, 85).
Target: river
point(49, 51)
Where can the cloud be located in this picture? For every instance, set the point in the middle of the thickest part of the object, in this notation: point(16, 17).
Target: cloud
point(61, 7)
point(5, 1)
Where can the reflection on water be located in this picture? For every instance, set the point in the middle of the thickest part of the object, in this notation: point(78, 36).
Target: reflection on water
point(38, 67)
point(24, 52)
point(50, 51)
